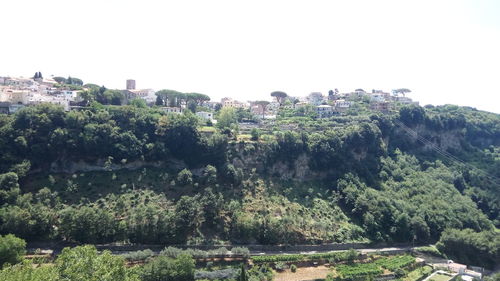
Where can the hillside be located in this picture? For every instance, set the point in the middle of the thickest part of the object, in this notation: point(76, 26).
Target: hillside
point(108, 174)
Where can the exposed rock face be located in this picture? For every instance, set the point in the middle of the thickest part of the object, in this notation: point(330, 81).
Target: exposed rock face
point(71, 167)
point(442, 139)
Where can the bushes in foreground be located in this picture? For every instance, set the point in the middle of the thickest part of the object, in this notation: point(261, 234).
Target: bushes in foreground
point(334, 256)
point(79, 263)
point(12, 249)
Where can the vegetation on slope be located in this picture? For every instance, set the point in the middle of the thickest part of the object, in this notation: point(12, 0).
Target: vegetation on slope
point(370, 180)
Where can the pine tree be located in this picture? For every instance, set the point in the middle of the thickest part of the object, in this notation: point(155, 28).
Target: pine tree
point(36, 75)
point(40, 75)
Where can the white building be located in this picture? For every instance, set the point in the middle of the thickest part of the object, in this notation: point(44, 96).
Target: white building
point(377, 97)
point(324, 111)
point(342, 105)
point(146, 94)
point(205, 115)
point(36, 98)
point(169, 109)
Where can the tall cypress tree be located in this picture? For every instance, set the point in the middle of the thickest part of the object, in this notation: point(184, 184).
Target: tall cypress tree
point(243, 274)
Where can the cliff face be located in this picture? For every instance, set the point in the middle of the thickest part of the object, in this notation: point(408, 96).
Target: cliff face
point(70, 167)
point(423, 138)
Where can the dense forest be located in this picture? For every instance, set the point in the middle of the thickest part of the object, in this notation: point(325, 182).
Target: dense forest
point(139, 175)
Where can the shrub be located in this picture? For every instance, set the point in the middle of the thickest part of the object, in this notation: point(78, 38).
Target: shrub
point(138, 255)
point(280, 266)
point(255, 133)
point(293, 268)
point(241, 251)
point(12, 249)
point(223, 274)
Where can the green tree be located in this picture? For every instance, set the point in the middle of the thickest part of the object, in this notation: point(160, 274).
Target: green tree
point(280, 96)
point(85, 263)
point(140, 103)
point(12, 249)
point(164, 268)
point(210, 174)
point(227, 119)
point(243, 273)
point(185, 177)
point(262, 104)
point(60, 80)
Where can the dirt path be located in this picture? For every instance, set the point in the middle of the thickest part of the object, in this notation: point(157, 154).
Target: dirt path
point(303, 273)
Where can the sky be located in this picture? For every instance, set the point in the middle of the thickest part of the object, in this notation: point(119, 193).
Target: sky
point(445, 51)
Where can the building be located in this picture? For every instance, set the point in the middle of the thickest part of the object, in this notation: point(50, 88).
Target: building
point(205, 115)
point(169, 109)
point(456, 267)
point(273, 107)
point(324, 111)
point(342, 104)
point(378, 97)
point(17, 96)
point(4, 107)
point(130, 84)
point(212, 104)
point(229, 102)
point(301, 104)
point(35, 99)
point(146, 94)
point(404, 100)
point(9, 108)
point(381, 106)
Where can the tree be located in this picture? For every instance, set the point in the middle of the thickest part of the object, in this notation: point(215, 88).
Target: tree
point(169, 269)
point(60, 80)
point(199, 99)
point(188, 217)
point(140, 103)
point(12, 249)
point(470, 247)
point(210, 174)
point(227, 119)
point(159, 100)
point(185, 177)
point(262, 104)
point(172, 98)
point(402, 91)
point(280, 96)
point(85, 263)
point(243, 274)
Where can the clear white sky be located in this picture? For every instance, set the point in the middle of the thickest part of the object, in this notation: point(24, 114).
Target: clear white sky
point(445, 51)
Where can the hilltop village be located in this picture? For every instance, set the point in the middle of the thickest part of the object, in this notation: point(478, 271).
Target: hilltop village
point(72, 94)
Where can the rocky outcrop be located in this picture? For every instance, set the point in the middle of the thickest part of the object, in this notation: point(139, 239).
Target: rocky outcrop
point(70, 167)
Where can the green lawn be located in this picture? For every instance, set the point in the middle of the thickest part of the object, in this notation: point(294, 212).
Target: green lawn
point(440, 277)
